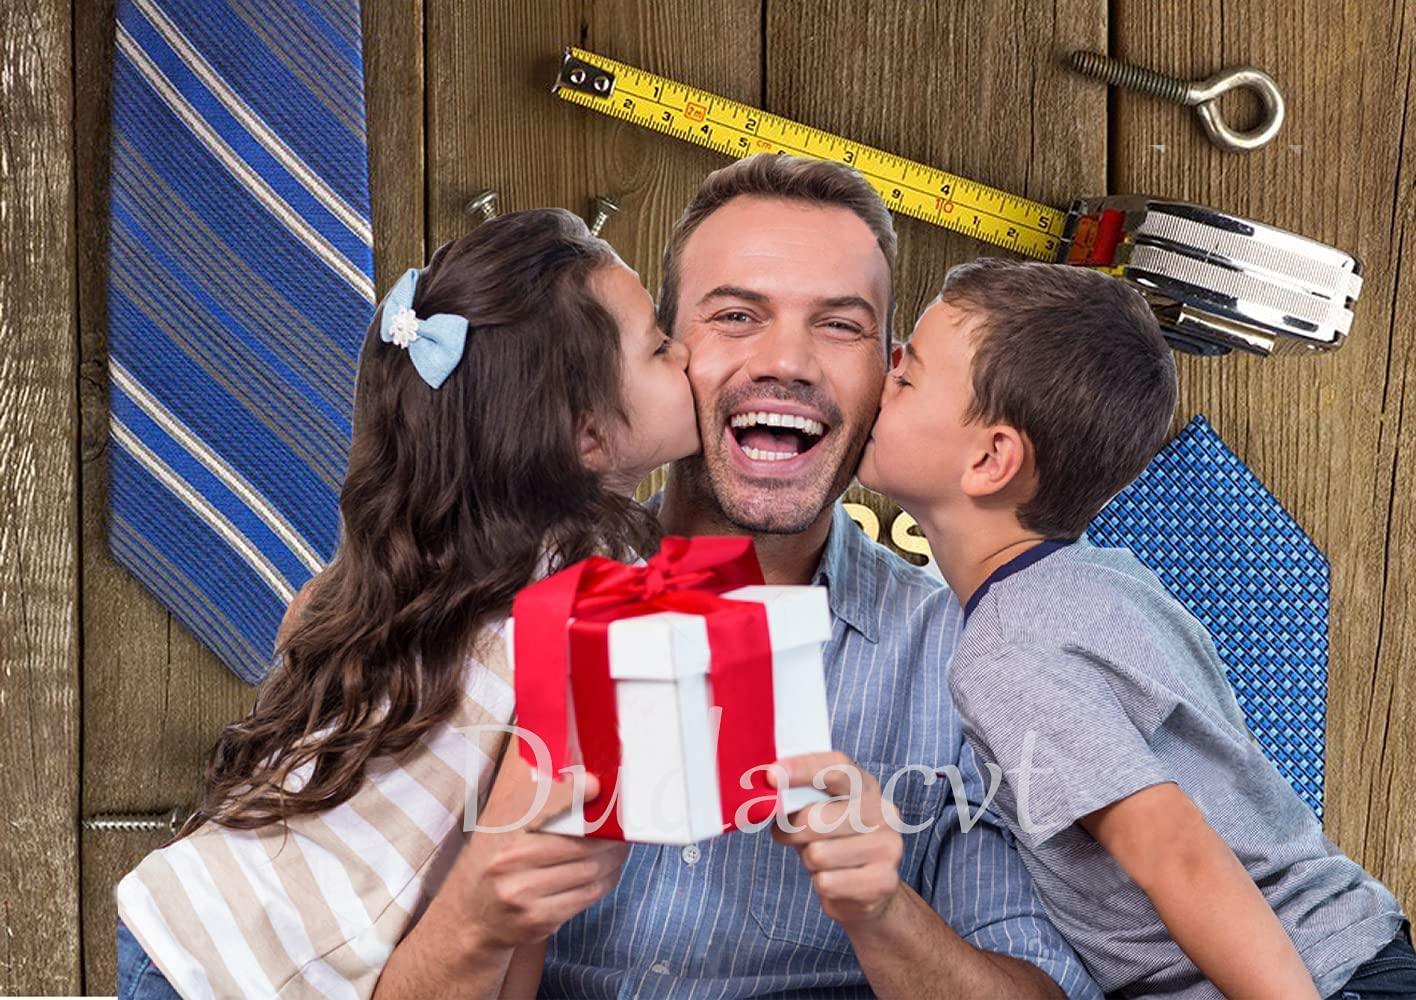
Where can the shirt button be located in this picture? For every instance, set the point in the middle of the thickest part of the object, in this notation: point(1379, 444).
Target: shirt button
point(691, 854)
point(661, 968)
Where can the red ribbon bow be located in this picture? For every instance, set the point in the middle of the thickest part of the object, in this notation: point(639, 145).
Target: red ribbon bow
point(565, 618)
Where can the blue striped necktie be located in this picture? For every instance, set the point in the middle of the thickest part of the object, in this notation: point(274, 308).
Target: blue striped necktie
point(240, 286)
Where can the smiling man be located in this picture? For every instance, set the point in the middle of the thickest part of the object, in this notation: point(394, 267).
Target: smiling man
point(784, 305)
point(779, 278)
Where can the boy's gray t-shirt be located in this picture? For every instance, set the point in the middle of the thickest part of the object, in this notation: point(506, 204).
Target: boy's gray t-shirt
point(1078, 655)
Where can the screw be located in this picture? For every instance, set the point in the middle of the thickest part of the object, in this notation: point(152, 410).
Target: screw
point(1202, 95)
point(483, 203)
point(603, 208)
point(1128, 77)
point(135, 822)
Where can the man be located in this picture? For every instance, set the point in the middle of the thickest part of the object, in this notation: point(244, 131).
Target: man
point(779, 277)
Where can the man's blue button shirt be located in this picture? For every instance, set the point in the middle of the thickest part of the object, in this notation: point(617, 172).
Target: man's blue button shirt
point(736, 916)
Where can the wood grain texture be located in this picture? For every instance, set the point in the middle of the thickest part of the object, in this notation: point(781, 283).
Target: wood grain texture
point(975, 89)
point(393, 96)
point(39, 592)
point(492, 121)
point(1331, 436)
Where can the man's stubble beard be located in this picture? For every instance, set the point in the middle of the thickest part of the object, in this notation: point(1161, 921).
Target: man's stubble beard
point(710, 487)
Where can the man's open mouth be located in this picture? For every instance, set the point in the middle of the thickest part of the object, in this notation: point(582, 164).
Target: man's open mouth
point(773, 435)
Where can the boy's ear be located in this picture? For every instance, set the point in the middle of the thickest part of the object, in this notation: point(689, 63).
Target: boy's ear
point(1004, 458)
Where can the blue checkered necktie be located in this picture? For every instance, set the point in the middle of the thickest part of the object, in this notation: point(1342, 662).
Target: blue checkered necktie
point(240, 286)
point(1225, 548)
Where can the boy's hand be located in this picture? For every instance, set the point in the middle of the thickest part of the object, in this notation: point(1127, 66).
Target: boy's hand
point(851, 844)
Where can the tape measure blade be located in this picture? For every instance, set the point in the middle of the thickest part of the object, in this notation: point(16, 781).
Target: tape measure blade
point(906, 186)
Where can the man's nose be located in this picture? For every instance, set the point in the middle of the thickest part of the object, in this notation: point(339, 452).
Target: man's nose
point(785, 352)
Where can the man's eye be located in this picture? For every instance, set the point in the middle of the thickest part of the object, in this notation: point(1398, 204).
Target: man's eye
point(842, 328)
point(733, 316)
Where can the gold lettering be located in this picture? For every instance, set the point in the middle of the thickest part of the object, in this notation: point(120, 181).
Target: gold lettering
point(866, 518)
point(906, 539)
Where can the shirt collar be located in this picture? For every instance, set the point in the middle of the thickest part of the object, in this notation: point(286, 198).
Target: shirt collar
point(843, 570)
point(1020, 561)
point(846, 570)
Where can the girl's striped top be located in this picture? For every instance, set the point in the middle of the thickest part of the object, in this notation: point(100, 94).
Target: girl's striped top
point(313, 906)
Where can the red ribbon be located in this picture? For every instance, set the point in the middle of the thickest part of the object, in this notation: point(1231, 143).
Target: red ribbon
point(565, 618)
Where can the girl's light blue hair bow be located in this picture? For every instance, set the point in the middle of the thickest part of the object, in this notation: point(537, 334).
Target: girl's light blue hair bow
point(435, 344)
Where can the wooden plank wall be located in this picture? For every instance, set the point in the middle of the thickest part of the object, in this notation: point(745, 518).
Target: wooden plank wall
point(39, 506)
point(1330, 436)
point(107, 705)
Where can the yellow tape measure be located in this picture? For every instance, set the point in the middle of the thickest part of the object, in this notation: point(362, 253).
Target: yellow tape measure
point(924, 192)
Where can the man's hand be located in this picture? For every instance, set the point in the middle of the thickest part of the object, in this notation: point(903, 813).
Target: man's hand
point(851, 844)
point(484, 932)
point(905, 948)
point(517, 887)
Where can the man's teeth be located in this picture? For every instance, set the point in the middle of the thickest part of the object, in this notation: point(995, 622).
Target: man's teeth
point(787, 420)
point(768, 456)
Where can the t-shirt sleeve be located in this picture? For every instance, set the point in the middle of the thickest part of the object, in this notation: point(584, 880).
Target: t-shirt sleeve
point(1068, 743)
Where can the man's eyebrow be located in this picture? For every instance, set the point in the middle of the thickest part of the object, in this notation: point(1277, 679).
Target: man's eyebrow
point(734, 292)
point(848, 302)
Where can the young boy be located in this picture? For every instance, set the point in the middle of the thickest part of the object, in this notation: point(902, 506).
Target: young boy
point(1163, 843)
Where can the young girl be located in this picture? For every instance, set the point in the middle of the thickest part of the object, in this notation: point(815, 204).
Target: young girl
point(509, 397)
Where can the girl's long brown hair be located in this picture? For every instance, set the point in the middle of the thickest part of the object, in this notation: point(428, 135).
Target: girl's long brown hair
point(451, 497)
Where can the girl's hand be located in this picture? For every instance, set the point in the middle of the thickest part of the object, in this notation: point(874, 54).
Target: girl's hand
point(517, 887)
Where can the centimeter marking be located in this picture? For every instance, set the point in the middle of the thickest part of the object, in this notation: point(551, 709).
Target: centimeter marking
point(928, 193)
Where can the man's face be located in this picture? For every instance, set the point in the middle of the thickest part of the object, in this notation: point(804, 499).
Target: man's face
point(783, 306)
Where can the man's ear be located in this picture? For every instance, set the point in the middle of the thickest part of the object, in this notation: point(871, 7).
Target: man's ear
point(1004, 456)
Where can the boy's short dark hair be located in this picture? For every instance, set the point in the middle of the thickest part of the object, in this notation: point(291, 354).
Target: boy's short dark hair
point(1075, 360)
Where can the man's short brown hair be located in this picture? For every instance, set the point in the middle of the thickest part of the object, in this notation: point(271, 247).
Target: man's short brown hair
point(1074, 360)
point(774, 175)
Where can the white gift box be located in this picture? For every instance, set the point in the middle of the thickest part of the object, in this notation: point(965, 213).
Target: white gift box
point(668, 782)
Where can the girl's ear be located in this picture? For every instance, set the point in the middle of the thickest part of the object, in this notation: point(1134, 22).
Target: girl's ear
point(594, 452)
